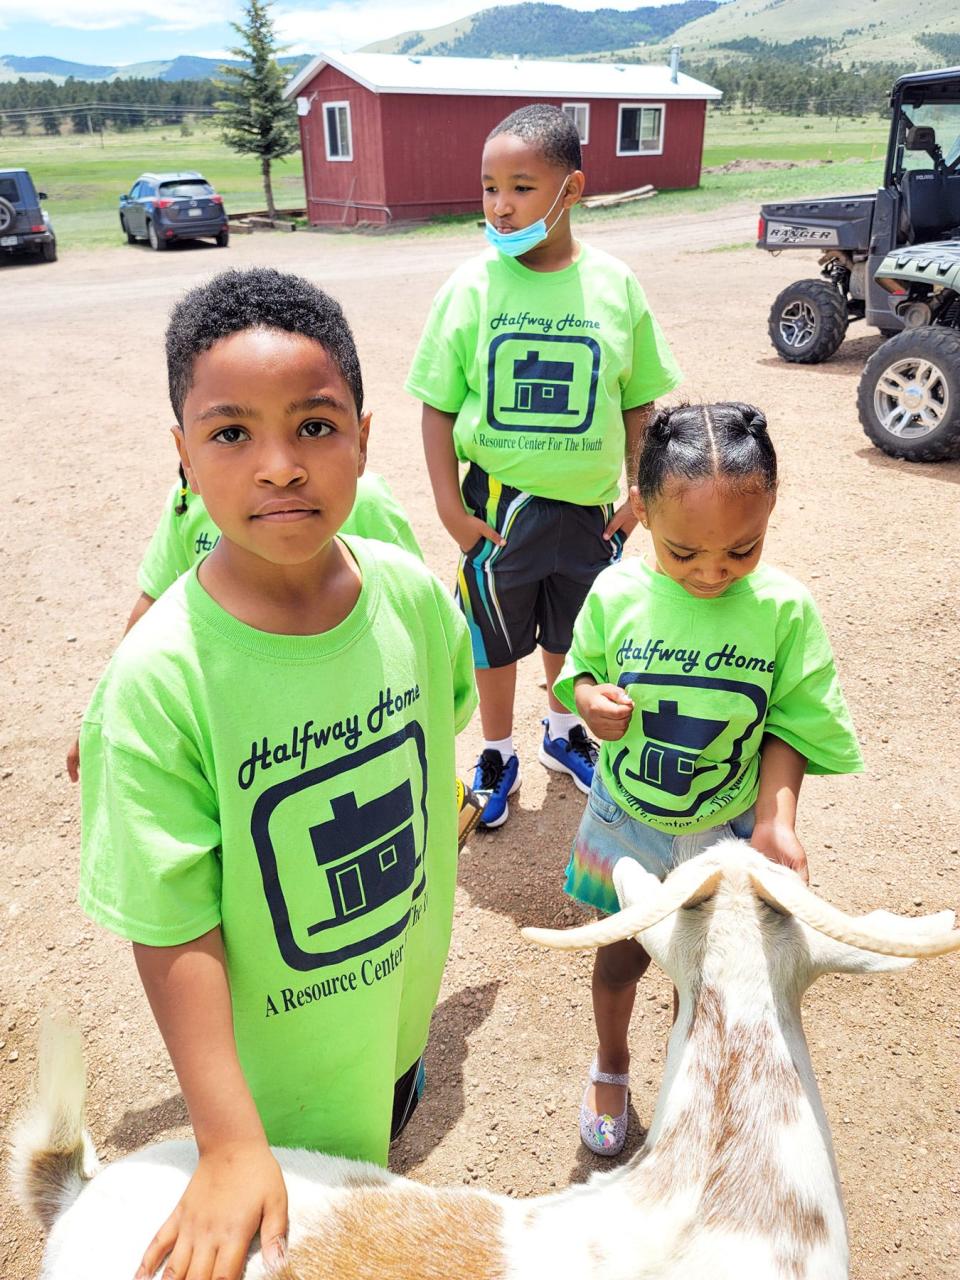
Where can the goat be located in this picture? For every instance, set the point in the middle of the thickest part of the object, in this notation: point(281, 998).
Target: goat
point(737, 1176)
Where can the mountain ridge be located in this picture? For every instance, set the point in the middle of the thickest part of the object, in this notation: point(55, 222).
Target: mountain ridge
point(858, 32)
point(183, 67)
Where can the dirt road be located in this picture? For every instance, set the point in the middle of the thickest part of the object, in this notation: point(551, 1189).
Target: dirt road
point(87, 461)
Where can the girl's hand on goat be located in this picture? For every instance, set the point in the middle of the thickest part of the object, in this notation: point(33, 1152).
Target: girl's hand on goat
point(605, 708)
point(778, 842)
point(237, 1189)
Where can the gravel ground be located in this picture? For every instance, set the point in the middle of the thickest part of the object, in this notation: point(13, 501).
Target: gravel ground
point(88, 463)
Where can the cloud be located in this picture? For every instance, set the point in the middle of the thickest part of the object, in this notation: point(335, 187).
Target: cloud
point(348, 24)
point(344, 25)
point(101, 15)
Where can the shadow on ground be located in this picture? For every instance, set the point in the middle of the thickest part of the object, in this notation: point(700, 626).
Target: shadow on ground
point(442, 1105)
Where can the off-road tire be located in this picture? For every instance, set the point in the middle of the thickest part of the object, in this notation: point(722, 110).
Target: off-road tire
point(157, 243)
point(911, 384)
point(131, 238)
point(8, 216)
point(223, 238)
point(48, 251)
point(808, 321)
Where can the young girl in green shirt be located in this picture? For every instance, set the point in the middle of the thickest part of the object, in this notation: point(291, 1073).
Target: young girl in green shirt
point(709, 681)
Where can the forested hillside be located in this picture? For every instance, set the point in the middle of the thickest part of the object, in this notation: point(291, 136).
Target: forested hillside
point(547, 31)
point(84, 106)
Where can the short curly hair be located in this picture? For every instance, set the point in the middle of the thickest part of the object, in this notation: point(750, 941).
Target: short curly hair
point(549, 130)
point(258, 298)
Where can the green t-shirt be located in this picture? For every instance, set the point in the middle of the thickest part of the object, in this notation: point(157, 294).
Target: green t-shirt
point(298, 791)
point(708, 678)
point(538, 366)
point(179, 541)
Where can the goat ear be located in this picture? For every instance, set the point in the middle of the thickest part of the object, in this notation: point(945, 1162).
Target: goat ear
point(827, 955)
point(840, 958)
point(912, 926)
point(632, 883)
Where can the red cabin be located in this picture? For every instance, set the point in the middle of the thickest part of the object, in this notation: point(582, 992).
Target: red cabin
point(390, 137)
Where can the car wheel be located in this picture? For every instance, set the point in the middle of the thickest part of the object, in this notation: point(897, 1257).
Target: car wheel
point(909, 396)
point(808, 321)
point(156, 242)
point(8, 215)
point(49, 250)
point(223, 238)
point(131, 238)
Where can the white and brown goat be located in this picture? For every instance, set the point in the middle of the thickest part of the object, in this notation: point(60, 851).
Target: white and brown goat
point(737, 1177)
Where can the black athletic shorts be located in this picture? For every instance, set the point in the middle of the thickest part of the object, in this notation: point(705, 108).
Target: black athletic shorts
point(529, 591)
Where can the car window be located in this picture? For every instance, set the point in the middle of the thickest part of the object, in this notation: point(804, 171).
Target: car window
point(187, 188)
point(8, 190)
point(134, 191)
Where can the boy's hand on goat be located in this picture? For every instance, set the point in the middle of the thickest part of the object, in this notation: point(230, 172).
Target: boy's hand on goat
point(605, 708)
point(778, 842)
point(237, 1189)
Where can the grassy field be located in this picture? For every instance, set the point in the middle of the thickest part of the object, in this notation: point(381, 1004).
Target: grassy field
point(753, 135)
point(84, 178)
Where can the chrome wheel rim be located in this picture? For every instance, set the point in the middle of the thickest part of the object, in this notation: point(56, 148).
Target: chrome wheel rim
point(152, 236)
point(798, 323)
point(911, 398)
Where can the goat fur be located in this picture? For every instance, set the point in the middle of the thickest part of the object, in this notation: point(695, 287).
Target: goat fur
point(737, 1177)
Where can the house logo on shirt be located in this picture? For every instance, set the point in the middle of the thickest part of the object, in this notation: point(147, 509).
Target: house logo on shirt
point(341, 850)
point(542, 382)
point(697, 732)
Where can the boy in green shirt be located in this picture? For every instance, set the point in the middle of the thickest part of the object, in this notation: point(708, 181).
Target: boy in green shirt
point(185, 534)
point(268, 775)
point(538, 366)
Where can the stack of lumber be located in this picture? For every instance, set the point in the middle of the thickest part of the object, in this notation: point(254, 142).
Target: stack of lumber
point(619, 197)
point(259, 220)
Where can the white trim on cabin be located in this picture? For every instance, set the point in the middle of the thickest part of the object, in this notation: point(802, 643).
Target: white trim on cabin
point(337, 107)
point(575, 107)
point(643, 108)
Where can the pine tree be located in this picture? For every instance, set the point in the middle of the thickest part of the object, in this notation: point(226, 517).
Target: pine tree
point(255, 119)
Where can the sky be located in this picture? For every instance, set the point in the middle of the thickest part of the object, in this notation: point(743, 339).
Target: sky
point(117, 32)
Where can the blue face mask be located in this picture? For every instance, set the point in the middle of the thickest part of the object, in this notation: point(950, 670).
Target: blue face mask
point(516, 243)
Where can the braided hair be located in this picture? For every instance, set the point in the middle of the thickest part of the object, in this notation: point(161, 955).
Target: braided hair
point(728, 441)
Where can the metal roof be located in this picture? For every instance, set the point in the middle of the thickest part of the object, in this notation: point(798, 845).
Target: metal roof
point(919, 79)
point(504, 77)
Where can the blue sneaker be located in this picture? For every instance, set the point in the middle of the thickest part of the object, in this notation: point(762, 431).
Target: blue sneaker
point(496, 778)
point(576, 755)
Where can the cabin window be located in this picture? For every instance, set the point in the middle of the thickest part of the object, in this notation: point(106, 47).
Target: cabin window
point(640, 130)
point(336, 119)
point(579, 113)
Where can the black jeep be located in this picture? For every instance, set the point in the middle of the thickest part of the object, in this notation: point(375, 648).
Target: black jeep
point(23, 224)
point(892, 259)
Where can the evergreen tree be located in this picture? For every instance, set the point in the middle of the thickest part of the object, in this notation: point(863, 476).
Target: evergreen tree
point(255, 119)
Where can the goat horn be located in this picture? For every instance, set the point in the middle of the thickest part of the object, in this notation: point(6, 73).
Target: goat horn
point(688, 881)
point(789, 893)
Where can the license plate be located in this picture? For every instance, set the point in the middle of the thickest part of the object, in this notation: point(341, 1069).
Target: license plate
point(7, 242)
point(195, 213)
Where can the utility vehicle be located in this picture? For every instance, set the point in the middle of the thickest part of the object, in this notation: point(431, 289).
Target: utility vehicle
point(891, 258)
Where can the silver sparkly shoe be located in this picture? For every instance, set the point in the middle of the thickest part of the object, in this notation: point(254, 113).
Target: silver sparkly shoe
point(604, 1135)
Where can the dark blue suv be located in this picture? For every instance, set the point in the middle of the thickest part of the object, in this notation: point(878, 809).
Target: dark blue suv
point(163, 207)
point(23, 224)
